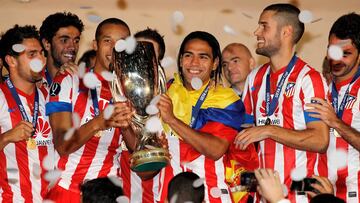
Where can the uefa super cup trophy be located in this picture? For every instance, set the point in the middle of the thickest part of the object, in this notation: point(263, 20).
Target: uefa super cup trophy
point(139, 78)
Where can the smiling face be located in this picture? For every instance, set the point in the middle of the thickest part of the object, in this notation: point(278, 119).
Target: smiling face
point(346, 67)
point(109, 35)
point(268, 35)
point(197, 61)
point(64, 46)
point(236, 63)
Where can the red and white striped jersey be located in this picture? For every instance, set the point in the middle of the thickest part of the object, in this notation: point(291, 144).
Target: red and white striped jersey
point(346, 180)
point(185, 158)
point(99, 157)
point(302, 83)
point(133, 187)
point(21, 173)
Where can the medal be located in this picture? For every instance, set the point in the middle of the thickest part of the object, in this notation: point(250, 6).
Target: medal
point(31, 143)
point(268, 121)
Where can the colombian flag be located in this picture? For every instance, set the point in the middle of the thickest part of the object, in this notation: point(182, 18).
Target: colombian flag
point(222, 107)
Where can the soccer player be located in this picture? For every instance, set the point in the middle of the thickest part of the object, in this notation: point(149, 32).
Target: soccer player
point(26, 137)
point(94, 148)
point(60, 36)
point(341, 111)
point(275, 97)
point(200, 123)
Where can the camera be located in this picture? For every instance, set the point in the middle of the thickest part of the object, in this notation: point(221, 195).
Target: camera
point(248, 180)
point(304, 185)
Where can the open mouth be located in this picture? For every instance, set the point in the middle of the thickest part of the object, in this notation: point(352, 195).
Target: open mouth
point(71, 57)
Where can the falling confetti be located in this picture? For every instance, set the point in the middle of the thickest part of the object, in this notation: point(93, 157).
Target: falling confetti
point(167, 62)
point(196, 83)
point(339, 158)
point(229, 30)
point(335, 52)
point(18, 48)
point(120, 45)
point(69, 134)
point(198, 182)
point(153, 124)
point(215, 192)
point(82, 69)
point(122, 199)
point(108, 111)
point(48, 162)
point(151, 109)
point(108, 76)
point(36, 65)
point(298, 174)
point(155, 100)
point(130, 44)
point(90, 80)
point(305, 16)
point(76, 120)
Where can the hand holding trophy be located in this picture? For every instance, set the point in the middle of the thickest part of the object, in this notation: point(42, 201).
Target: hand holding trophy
point(139, 79)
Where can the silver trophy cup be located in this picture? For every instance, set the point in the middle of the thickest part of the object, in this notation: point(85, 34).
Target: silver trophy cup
point(139, 78)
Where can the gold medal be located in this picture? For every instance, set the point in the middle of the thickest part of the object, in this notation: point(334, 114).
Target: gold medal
point(31, 143)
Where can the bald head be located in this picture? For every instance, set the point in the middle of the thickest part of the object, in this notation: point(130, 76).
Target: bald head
point(237, 63)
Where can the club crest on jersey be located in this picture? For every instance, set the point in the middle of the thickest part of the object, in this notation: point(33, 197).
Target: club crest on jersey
point(55, 89)
point(350, 101)
point(290, 89)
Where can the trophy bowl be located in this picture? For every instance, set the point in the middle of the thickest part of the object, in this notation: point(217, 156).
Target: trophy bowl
point(138, 78)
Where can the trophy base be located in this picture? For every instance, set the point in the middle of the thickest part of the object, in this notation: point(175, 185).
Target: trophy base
point(149, 160)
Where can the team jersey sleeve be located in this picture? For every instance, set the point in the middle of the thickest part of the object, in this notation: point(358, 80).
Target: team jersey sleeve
point(313, 85)
point(61, 94)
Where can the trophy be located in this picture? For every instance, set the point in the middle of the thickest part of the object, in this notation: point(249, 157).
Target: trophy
point(139, 78)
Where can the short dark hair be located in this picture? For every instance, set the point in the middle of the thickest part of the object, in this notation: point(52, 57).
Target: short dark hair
point(115, 21)
point(182, 186)
point(16, 35)
point(86, 57)
point(347, 27)
point(326, 198)
point(100, 190)
point(54, 22)
point(289, 16)
point(213, 43)
point(154, 35)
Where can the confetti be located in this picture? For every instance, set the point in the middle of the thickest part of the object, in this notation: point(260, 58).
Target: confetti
point(36, 65)
point(108, 111)
point(198, 182)
point(151, 109)
point(153, 124)
point(90, 80)
point(196, 83)
point(305, 16)
point(298, 174)
point(167, 62)
point(335, 52)
point(18, 48)
point(69, 134)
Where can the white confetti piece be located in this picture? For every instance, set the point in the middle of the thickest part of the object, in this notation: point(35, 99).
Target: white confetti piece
point(69, 134)
point(155, 100)
point(108, 111)
point(94, 18)
point(298, 174)
point(229, 30)
point(108, 76)
point(196, 83)
point(305, 16)
point(36, 170)
point(198, 182)
point(116, 181)
point(90, 80)
point(339, 159)
point(130, 44)
point(151, 109)
point(36, 65)
point(167, 62)
point(53, 175)
point(122, 199)
point(335, 52)
point(153, 124)
point(76, 120)
point(178, 17)
point(82, 69)
point(120, 45)
point(18, 48)
point(48, 162)
point(215, 192)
